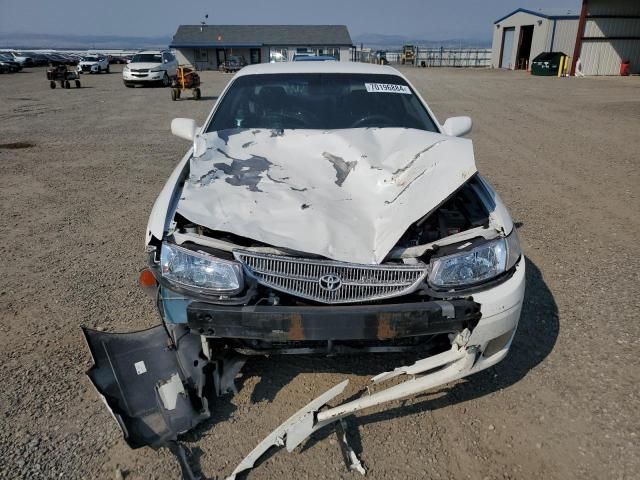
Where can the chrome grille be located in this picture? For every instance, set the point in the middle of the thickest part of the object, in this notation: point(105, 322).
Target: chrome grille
point(358, 283)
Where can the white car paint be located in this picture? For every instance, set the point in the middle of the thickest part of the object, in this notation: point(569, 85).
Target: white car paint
point(96, 64)
point(164, 207)
point(151, 72)
point(18, 58)
point(285, 189)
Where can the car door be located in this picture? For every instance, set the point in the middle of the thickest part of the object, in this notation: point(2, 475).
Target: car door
point(170, 64)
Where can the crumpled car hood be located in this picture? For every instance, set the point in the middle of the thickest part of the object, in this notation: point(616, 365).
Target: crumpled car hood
point(348, 195)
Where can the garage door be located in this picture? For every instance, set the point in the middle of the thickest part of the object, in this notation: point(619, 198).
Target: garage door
point(507, 47)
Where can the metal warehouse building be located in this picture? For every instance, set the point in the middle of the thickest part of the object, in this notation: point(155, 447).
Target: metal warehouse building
point(208, 46)
point(523, 34)
point(608, 33)
point(598, 39)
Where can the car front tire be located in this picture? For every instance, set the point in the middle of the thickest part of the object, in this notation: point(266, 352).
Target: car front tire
point(165, 80)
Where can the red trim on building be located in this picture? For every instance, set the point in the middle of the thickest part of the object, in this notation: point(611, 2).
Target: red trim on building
point(581, 25)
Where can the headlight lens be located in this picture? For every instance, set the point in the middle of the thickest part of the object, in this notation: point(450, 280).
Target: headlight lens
point(199, 271)
point(156, 69)
point(477, 265)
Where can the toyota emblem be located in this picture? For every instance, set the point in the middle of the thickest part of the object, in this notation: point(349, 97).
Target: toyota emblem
point(331, 283)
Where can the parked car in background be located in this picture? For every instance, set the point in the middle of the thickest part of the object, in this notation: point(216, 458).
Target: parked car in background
point(22, 60)
point(150, 67)
point(56, 59)
point(39, 59)
point(233, 64)
point(117, 60)
point(93, 64)
point(9, 64)
point(71, 59)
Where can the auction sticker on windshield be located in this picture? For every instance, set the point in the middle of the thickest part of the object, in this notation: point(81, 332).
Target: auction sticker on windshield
point(387, 88)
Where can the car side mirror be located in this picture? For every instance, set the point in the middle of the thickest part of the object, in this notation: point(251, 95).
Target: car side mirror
point(457, 126)
point(184, 128)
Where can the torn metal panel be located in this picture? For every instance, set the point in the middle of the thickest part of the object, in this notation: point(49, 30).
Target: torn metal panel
point(348, 195)
point(140, 379)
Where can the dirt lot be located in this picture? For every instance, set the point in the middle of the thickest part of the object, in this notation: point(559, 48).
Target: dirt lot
point(563, 153)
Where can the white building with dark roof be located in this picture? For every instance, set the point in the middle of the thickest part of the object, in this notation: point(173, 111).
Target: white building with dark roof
point(207, 46)
point(523, 34)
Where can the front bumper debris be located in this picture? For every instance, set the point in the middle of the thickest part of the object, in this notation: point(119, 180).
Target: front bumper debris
point(445, 367)
point(150, 384)
point(362, 322)
point(154, 410)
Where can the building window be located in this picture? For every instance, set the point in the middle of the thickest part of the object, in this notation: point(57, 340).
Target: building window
point(202, 55)
point(278, 54)
point(285, 54)
point(333, 51)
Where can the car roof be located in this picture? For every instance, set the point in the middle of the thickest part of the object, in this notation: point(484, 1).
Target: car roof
point(317, 67)
point(156, 52)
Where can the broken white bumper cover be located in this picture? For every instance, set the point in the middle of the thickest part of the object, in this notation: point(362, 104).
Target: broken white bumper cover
point(469, 354)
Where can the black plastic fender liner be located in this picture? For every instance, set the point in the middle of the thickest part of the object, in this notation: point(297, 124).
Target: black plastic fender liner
point(153, 392)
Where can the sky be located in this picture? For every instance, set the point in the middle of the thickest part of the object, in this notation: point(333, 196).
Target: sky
point(424, 19)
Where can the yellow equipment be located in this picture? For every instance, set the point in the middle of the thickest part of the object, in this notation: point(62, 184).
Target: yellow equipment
point(408, 55)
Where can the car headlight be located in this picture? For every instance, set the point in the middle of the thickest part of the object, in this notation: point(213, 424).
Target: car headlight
point(156, 69)
point(477, 265)
point(199, 271)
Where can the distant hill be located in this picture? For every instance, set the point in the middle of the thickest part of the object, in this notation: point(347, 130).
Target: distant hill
point(54, 41)
point(57, 41)
point(392, 42)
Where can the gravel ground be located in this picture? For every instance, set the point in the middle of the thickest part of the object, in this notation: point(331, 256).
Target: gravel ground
point(563, 153)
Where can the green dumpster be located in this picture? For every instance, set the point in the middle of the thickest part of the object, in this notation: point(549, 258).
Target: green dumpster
point(547, 63)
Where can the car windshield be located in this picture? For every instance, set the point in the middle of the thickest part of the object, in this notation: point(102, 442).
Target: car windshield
point(324, 101)
point(90, 59)
point(147, 58)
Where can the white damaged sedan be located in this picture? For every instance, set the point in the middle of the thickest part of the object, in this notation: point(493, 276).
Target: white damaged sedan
point(322, 209)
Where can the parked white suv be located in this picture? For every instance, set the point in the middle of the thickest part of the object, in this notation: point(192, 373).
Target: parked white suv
point(93, 64)
point(150, 67)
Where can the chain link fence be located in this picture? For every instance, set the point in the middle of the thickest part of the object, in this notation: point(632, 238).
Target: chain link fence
point(434, 57)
